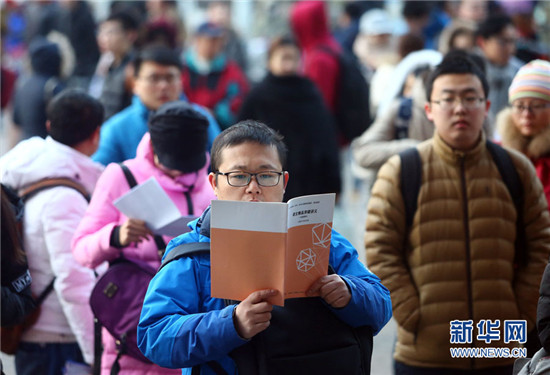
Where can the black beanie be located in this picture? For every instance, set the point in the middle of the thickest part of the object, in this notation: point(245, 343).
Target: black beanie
point(179, 135)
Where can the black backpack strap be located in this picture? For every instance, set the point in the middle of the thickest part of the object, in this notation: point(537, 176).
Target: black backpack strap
point(411, 178)
point(47, 290)
point(159, 241)
point(511, 179)
point(185, 250)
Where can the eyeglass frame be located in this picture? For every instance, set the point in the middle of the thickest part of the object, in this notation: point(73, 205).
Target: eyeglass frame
point(250, 175)
point(443, 103)
point(533, 109)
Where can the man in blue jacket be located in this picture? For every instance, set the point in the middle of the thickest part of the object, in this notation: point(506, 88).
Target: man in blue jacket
point(181, 325)
point(157, 81)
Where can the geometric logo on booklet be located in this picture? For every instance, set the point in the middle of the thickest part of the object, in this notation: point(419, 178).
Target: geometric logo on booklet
point(321, 235)
point(306, 260)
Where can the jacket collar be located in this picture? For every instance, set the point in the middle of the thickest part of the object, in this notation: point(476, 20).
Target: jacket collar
point(452, 156)
point(203, 223)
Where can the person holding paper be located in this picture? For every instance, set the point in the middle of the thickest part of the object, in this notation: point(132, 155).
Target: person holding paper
point(174, 153)
point(182, 326)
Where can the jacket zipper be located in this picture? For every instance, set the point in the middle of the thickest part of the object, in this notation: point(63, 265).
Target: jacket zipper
point(467, 239)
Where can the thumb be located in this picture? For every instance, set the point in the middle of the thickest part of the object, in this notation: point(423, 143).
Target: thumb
point(262, 295)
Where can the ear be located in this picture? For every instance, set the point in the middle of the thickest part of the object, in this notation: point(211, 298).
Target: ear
point(428, 110)
point(213, 182)
point(48, 125)
point(286, 176)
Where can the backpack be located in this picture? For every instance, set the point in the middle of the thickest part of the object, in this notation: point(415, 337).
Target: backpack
point(411, 180)
point(11, 335)
point(352, 98)
point(117, 298)
point(304, 337)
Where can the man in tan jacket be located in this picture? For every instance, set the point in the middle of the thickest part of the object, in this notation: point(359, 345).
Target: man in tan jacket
point(454, 267)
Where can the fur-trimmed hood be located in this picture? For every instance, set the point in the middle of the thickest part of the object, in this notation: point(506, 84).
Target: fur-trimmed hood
point(534, 147)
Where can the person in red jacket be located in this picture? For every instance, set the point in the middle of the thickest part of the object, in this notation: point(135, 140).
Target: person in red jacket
point(525, 126)
point(210, 78)
point(310, 25)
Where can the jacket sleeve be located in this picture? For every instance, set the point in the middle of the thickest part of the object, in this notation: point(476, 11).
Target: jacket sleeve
point(91, 241)
point(377, 144)
point(73, 283)
point(236, 88)
point(370, 302)
point(174, 331)
point(384, 242)
point(537, 231)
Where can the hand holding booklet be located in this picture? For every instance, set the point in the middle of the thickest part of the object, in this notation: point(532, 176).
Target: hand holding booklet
point(282, 246)
point(150, 203)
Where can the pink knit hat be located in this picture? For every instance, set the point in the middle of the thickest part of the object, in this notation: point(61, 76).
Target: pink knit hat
point(531, 81)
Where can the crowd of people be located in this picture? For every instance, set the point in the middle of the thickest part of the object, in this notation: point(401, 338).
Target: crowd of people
point(455, 158)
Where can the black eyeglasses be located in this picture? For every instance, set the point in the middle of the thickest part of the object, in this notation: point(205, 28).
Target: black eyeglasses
point(240, 179)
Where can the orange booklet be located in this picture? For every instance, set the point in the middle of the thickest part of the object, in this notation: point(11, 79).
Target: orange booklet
point(282, 246)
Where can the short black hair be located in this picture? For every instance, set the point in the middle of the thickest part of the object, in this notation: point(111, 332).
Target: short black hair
point(457, 62)
point(416, 9)
point(158, 54)
point(74, 116)
point(126, 20)
point(247, 131)
point(493, 25)
point(282, 41)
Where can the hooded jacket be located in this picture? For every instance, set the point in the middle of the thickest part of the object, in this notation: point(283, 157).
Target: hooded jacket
point(310, 24)
point(51, 218)
point(181, 325)
point(456, 262)
point(91, 242)
point(536, 148)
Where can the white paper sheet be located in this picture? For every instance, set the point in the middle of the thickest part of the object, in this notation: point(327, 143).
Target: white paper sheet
point(150, 203)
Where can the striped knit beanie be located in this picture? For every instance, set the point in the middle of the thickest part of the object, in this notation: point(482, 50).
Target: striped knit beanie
point(531, 81)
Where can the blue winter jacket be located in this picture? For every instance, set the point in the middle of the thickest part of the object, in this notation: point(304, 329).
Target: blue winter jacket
point(121, 134)
point(182, 326)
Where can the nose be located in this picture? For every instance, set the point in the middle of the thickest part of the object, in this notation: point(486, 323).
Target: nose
point(253, 187)
point(459, 105)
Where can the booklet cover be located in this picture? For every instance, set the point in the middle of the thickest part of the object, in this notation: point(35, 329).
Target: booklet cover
point(150, 203)
point(282, 246)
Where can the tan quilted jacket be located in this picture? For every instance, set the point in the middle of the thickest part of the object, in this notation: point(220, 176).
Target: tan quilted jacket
point(459, 262)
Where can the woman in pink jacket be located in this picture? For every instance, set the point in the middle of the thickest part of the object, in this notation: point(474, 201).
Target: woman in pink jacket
point(174, 153)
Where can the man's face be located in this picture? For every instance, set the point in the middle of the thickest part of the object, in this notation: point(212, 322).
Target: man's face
point(499, 48)
point(113, 38)
point(460, 124)
point(208, 47)
point(157, 84)
point(531, 115)
point(285, 61)
point(253, 158)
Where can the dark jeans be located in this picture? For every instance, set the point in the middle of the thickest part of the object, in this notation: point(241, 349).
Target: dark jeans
point(402, 369)
point(45, 359)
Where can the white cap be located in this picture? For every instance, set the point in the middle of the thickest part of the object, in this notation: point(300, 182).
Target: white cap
point(376, 22)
